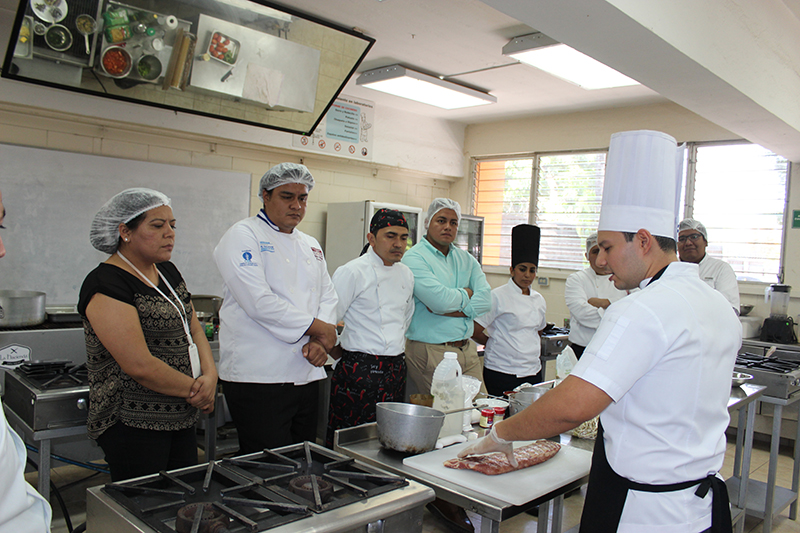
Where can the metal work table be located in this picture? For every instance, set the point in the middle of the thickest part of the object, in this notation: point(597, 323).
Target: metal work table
point(739, 484)
point(361, 443)
point(43, 438)
point(767, 496)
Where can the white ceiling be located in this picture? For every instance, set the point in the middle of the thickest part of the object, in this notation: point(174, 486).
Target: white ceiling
point(451, 37)
point(462, 40)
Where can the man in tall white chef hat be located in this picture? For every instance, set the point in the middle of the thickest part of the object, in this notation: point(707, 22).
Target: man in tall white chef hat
point(657, 370)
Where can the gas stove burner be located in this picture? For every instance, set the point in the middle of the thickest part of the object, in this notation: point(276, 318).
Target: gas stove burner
point(210, 519)
point(304, 486)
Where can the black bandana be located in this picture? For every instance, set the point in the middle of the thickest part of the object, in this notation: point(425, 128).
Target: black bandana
point(386, 217)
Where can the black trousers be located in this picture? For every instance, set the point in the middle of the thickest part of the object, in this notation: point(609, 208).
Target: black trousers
point(132, 452)
point(271, 415)
point(497, 382)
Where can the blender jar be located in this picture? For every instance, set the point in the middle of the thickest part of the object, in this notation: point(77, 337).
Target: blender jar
point(778, 297)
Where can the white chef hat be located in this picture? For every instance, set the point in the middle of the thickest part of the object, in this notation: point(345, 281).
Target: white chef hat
point(591, 241)
point(442, 203)
point(642, 185)
point(690, 223)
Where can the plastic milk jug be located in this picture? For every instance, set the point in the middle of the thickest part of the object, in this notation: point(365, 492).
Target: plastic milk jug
point(448, 393)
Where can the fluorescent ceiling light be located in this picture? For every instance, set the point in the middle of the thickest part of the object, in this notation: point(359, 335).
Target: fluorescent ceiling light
point(401, 81)
point(542, 52)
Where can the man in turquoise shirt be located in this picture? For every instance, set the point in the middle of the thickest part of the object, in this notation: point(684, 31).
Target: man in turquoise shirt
point(450, 290)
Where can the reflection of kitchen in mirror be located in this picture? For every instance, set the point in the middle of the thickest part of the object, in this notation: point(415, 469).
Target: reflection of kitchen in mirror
point(233, 59)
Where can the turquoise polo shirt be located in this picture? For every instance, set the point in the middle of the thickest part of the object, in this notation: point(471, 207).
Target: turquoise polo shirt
point(439, 282)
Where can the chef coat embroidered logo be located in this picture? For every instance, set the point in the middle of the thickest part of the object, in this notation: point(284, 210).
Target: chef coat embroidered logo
point(247, 255)
point(317, 253)
point(266, 246)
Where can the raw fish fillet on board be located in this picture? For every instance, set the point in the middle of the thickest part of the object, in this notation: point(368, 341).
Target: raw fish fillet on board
point(496, 463)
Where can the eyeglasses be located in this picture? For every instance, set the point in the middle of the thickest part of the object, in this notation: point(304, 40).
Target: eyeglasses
point(693, 237)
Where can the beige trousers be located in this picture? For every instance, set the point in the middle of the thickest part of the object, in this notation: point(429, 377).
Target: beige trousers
point(422, 359)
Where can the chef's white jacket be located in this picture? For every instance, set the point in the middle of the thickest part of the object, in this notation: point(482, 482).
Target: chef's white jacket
point(376, 303)
point(274, 285)
point(22, 508)
point(513, 326)
point(665, 356)
point(720, 276)
point(583, 317)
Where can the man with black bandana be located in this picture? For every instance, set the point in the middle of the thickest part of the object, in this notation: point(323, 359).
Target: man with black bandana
point(376, 303)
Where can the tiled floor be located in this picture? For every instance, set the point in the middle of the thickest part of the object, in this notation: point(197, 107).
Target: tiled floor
point(74, 481)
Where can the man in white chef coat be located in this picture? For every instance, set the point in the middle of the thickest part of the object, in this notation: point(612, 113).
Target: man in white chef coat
point(22, 508)
point(657, 370)
point(588, 294)
point(376, 302)
point(277, 316)
point(692, 243)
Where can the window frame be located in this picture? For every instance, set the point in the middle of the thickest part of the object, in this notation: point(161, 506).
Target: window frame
point(690, 175)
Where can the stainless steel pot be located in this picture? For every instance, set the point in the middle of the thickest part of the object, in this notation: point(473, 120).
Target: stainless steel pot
point(21, 308)
point(408, 428)
point(520, 400)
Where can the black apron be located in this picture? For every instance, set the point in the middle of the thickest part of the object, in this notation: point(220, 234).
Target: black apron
point(607, 491)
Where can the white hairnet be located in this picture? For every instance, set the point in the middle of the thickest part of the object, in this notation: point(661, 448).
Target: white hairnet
point(121, 209)
point(591, 241)
point(690, 223)
point(442, 203)
point(286, 173)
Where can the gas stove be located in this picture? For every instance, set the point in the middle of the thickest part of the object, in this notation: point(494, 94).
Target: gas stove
point(48, 394)
point(303, 487)
point(781, 374)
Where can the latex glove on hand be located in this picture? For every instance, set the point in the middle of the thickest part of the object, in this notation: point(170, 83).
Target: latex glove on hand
point(491, 443)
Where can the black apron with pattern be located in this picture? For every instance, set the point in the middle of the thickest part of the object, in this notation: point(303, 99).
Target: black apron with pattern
point(607, 490)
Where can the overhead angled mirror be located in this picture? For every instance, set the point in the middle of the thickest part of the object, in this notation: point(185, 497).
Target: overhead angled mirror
point(238, 60)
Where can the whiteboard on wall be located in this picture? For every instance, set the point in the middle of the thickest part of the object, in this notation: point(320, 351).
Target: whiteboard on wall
point(51, 197)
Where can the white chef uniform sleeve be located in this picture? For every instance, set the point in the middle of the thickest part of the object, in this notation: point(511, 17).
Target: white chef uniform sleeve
point(487, 319)
point(329, 300)
point(727, 284)
point(578, 304)
point(251, 289)
point(345, 282)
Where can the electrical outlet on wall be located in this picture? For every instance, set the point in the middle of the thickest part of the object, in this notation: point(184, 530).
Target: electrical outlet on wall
point(543, 282)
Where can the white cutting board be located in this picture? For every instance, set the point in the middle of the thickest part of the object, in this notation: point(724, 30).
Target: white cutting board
point(518, 487)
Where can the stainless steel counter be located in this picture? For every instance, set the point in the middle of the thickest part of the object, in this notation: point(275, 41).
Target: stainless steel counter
point(361, 443)
point(287, 71)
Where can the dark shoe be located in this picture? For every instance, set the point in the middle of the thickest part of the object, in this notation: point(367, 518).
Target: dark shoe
point(454, 516)
point(573, 492)
point(533, 512)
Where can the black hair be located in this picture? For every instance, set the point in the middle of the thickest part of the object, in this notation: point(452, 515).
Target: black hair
point(665, 243)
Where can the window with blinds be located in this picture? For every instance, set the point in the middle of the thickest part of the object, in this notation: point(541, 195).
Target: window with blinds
point(737, 190)
point(740, 196)
point(567, 190)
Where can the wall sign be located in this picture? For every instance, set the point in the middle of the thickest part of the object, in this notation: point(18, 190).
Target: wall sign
point(345, 130)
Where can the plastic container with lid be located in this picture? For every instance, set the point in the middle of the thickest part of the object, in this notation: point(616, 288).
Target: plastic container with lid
point(448, 393)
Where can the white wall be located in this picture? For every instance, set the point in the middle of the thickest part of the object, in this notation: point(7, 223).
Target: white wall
point(592, 130)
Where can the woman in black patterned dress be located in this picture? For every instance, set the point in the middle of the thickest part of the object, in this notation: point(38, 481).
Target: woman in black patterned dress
point(150, 364)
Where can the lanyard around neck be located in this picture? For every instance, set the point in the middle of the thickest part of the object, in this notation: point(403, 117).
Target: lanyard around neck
point(184, 315)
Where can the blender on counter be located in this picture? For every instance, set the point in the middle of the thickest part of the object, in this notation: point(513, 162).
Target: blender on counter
point(779, 326)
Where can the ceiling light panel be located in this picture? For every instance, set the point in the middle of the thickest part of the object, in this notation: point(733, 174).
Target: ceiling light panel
point(560, 60)
point(407, 83)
